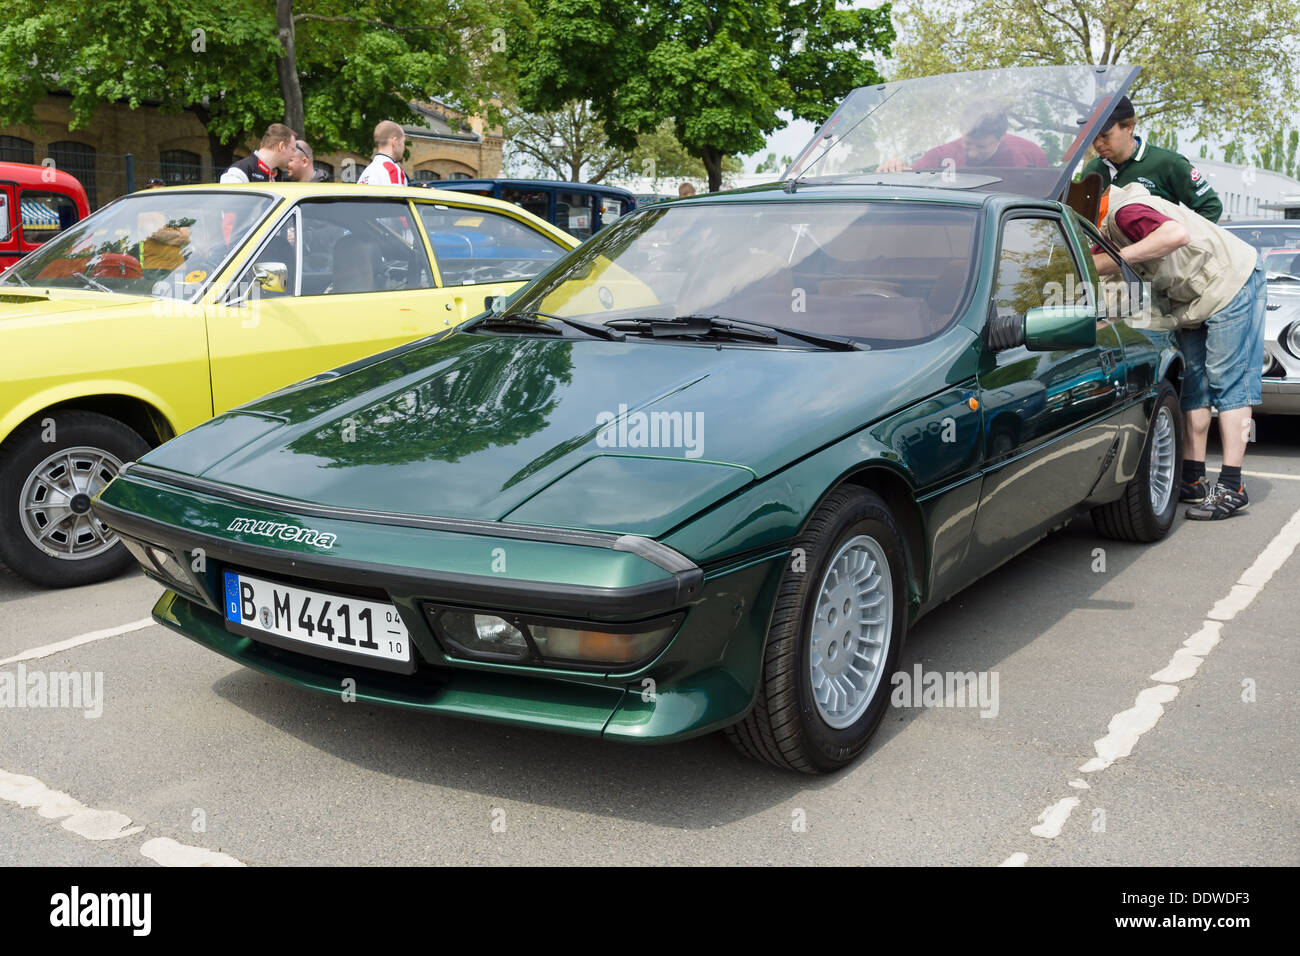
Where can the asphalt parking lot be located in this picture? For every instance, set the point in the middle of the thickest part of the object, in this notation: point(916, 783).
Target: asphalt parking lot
point(1109, 741)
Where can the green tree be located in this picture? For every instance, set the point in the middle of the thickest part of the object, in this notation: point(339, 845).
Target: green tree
point(720, 69)
point(356, 62)
point(1205, 66)
point(660, 155)
point(566, 144)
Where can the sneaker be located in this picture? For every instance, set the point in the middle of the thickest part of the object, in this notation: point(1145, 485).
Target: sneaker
point(1221, 502)
point(1193, 490)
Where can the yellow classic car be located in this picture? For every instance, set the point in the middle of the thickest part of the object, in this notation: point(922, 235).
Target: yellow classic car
point(169, 306)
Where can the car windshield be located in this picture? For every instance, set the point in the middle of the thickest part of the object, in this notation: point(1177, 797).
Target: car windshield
point(1017, 130)
point(1267, 238)
point(150, 243)
point(887, 273)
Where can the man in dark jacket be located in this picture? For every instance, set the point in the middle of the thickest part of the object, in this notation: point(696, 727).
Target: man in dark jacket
point(1124, 159)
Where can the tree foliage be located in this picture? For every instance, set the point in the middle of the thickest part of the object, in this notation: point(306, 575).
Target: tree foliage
point(1206, 66)
point(720, 69)
point(357, 61)
point(567, 144)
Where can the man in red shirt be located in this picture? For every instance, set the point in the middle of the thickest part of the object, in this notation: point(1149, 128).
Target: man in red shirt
point(984, 142)
point(1212, 283)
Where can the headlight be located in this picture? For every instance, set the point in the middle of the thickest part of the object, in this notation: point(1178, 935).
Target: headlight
point(482, 635)
point(165, 566)
point(1293, 339)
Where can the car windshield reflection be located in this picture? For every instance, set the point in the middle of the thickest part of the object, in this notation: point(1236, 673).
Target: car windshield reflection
point(888, 273)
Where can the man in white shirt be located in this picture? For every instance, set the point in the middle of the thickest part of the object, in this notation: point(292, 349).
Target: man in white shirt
point(386, 169)
point(264, 163)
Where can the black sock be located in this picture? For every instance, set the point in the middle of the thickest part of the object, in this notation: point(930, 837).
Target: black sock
point(1193, 470)
point(1230, 477)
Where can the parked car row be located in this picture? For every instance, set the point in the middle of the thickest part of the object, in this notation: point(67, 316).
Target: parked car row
point(702, 472)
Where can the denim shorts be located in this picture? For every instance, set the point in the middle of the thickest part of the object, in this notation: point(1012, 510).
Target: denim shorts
point(1225, 354)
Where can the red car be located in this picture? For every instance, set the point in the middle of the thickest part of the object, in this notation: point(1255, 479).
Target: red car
point(36, 204)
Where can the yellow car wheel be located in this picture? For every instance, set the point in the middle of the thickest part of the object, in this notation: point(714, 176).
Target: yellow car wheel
point(50, 469)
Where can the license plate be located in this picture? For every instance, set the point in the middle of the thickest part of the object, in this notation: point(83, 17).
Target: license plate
point(332, 622)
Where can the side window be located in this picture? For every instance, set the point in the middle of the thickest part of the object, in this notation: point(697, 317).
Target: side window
point(1035, 268)
point(474, 245)
point(367, 246)
point(284, 250)
point(536, 201)
point(45, 215)
point(1122, 296)
point(574, 212)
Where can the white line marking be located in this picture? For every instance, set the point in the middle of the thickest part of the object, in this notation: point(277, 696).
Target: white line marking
point(52, 804)
point(167, 852)
point(1190, 656)
point(1216, 464)
point(1053, 818)
point(1080, 785)
point(1126, 727)
point(72, 642)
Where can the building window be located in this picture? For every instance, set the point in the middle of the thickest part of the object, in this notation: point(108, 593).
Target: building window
point(425, 176)
point(180, 167)
point(15, 149)
point(324, 172)
point(77, 160)
point(460, 176)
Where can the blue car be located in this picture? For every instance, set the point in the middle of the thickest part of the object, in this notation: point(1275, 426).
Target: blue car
point(581, 209)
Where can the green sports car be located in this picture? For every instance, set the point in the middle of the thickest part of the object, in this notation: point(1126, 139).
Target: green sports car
point(706, 471)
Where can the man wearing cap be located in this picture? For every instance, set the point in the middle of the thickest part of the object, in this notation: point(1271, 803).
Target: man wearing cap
point(1211, 283)
point(1124, 159)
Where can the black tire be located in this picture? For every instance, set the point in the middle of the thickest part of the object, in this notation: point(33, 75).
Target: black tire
point(785, 727)
point(22, 453)
point(1133, 517)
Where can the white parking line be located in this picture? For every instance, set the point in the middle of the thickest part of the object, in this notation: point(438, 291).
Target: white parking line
point(48, 649)
point(102, 824)
point(1128, 726)
point(53, 804)
point(167, 852)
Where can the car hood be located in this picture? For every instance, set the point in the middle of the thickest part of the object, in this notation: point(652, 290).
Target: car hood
point(19, 305)
point(631, 436)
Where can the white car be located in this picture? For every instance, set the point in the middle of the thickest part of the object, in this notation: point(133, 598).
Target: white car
point(1278, 240)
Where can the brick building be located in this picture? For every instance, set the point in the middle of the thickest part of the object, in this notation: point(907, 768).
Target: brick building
point(174, 148)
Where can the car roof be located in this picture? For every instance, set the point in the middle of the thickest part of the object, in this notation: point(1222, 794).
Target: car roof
point(840, 191)
point(26, 174)
point(549, 183)
point(295, 191)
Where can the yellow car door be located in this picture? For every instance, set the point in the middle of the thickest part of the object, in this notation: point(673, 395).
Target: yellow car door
point(336, 280)
point(481, 252)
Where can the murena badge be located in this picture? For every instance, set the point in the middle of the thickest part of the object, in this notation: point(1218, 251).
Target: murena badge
point(285, 532)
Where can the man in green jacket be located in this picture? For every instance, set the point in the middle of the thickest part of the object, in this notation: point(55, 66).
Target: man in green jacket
point(1124, 159)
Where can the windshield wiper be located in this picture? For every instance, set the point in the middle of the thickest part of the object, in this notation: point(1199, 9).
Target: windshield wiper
point(15, 275)
point(667, 327)
point(747, 329)
point(91, 282)
point(531, 321)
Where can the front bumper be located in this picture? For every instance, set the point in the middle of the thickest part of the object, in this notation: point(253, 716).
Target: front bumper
point(1281, 396)
point(704, 678)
